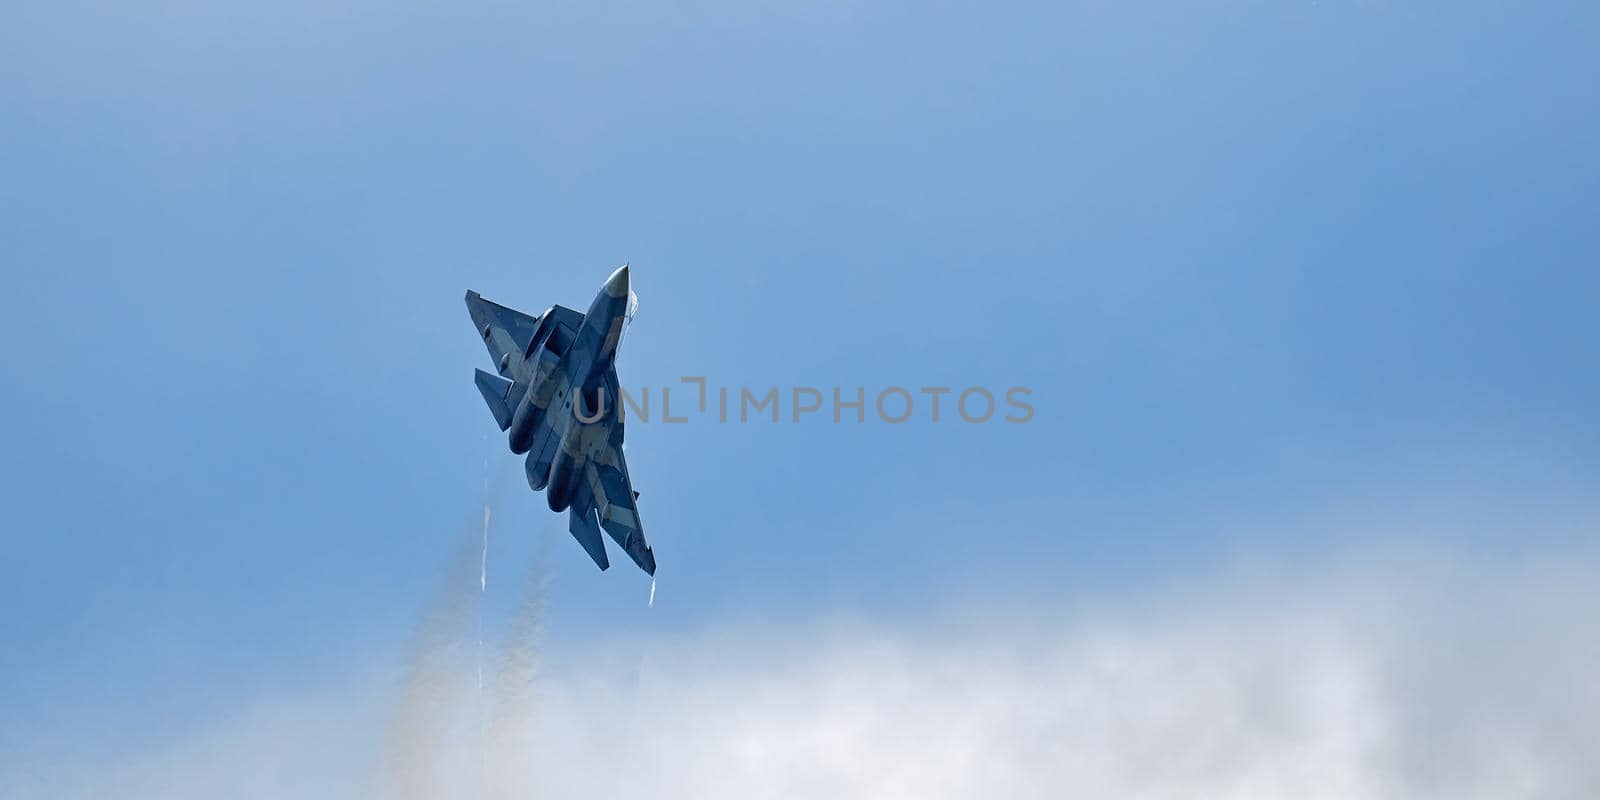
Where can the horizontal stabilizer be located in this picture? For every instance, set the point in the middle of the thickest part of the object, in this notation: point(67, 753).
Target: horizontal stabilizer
point(586, 529)
point(494, 390)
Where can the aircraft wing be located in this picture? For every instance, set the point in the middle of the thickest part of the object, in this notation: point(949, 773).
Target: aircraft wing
point(608, 495)
point(504, 330)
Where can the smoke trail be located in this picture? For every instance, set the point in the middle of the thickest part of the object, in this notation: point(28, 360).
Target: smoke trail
point(510, 744)
point(431, 685)
point(432, 688)
point(483, 587)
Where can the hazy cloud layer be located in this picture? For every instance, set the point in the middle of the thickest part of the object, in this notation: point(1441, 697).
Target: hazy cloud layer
point(1401, 678)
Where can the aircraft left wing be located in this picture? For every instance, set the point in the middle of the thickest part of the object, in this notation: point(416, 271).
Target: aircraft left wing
point(504, 330)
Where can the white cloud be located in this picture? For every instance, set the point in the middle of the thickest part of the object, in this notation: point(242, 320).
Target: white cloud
point(1403, 678)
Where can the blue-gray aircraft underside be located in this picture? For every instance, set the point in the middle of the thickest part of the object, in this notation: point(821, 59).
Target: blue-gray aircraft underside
point(574, 450)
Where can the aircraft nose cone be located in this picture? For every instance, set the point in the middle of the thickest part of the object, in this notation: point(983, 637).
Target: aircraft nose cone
point(617, 284)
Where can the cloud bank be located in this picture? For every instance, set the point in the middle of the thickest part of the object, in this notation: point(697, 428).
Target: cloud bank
point(1399, 677)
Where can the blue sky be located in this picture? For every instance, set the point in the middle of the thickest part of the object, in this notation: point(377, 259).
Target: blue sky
point(1283, 278)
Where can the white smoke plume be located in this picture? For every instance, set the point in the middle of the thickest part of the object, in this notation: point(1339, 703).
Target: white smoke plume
point(1391, 677)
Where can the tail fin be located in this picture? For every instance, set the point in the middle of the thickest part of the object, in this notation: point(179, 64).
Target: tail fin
point(586, 530)
point(494, 389)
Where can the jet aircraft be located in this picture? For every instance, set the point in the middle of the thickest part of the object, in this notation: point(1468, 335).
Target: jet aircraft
point(556, 395)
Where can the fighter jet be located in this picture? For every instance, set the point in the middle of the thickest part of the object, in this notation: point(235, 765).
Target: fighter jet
point(557, 397)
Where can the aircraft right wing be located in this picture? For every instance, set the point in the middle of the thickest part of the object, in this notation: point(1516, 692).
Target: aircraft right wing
point(611, 490)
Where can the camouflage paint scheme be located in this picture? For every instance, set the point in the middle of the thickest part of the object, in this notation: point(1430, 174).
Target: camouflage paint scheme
point(555, 396)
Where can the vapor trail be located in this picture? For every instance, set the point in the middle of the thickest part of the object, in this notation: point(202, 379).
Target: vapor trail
point(483, 587)
point(432, 687)
point(483, 565)
point(510, 745)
